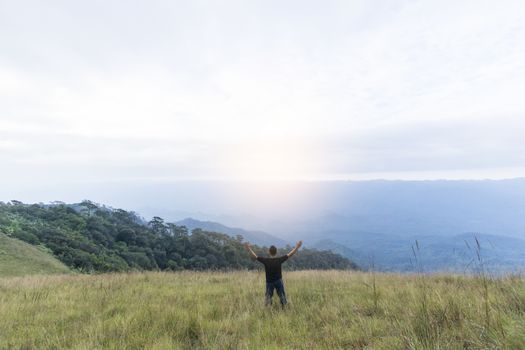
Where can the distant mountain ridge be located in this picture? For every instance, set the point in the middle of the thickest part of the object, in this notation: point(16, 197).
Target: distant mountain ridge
point(411, 208)
point(257, 237)
point(436, 253)
point(387, 252)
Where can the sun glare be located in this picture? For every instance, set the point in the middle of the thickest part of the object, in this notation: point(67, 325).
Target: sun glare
point(275, 160)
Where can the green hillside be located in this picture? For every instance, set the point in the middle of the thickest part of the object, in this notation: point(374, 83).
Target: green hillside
point(18, 258)
point(92, 238)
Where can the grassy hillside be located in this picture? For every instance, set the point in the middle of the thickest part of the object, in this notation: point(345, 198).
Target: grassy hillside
point(328, 310)
point(18, 258)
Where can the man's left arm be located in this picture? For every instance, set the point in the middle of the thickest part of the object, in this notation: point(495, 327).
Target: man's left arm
point(295, 249)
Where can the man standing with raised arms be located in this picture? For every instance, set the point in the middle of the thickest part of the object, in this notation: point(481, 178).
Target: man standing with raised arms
point(272, 267)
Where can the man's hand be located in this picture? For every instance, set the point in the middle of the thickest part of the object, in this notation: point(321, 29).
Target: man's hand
point(247, 246)
point(295, 249)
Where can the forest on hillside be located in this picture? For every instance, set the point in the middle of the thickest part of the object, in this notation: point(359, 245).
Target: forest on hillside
point(93, 238)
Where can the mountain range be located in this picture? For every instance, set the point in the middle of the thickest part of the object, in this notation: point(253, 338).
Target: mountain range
point(378, 222)
point(387, 252)
point(257, 237)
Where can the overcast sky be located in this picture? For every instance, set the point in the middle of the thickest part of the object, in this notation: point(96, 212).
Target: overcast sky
point(147, 90)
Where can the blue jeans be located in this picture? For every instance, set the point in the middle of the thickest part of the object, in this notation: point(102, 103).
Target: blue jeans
point(279, 287)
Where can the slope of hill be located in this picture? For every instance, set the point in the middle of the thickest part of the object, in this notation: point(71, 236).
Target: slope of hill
point(18, 258)
point(257, 237)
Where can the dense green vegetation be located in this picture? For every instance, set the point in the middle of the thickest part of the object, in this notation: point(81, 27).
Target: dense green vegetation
point(93, 238)
point(19, 258)
point(214, 310)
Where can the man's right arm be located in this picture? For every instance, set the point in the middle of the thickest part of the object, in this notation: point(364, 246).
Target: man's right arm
point(295, 249)
point(249, 249)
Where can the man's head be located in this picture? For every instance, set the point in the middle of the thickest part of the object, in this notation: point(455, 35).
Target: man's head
point(272, 250)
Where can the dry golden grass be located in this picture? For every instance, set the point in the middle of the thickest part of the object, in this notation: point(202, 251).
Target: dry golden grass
point(213, 310)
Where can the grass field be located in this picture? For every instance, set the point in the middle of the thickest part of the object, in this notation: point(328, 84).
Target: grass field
point(328, 310)
point(18, 258)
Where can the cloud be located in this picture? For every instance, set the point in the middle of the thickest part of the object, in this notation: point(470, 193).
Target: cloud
point(124, 90)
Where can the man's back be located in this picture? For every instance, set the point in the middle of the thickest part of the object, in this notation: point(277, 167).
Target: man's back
point(272, 267)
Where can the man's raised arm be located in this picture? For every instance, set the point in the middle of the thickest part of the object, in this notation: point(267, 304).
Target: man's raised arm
point(295, 249)
point(249, 249)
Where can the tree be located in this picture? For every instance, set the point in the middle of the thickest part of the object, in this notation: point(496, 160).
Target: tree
point(158, 226)
point(89, 206)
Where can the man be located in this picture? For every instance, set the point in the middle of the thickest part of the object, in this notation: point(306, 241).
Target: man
point(272, 267)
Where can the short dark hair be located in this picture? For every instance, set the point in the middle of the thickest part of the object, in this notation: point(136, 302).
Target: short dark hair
point(272, 250)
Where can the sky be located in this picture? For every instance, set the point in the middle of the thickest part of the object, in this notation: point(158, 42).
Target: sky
point(123, 91)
